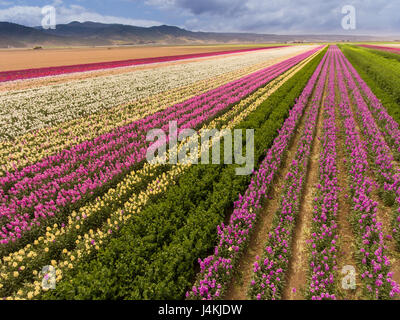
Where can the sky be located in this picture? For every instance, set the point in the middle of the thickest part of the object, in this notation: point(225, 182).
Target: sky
point(374, 17)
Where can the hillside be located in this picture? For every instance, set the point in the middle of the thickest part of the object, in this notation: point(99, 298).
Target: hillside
point(97, 34)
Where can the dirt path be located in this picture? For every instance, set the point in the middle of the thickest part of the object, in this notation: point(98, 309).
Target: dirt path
point(347, 248)
point(298, 267)
point(238, 288)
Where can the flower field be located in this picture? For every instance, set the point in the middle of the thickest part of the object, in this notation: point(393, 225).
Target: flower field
point(77, 192)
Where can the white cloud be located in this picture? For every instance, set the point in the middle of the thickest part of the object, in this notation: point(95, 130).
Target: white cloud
point(32, 16)
point(5, 3)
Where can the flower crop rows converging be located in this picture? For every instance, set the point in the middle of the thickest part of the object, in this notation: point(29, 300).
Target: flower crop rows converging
point(77, 194)
point(387, 176)
point(31, 109)
point(52, 71)
point(323, 244)
point(34, 146)
point(26, 263)
point(271, 268)
point(377, 145)
point(50, 186)
point(373, 262)
point(216, 270)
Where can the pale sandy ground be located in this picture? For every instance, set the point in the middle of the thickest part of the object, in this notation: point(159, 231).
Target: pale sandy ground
point(29, 58)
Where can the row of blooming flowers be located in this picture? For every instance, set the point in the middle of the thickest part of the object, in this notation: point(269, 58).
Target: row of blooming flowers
point(23, 265)
point(49, 187)
point(391, 132)
point(32, 109)
point(84, 246)
point(52, 71)
point(373, 262)
point(323, 242)
point(216, 270)
point(383, 48)
point(377, 146)
point(271, 268)
point(35, 145)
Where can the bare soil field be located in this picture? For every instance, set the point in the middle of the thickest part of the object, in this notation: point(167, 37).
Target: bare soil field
point(29, 58)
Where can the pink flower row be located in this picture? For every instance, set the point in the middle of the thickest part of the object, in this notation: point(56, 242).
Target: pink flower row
point(271, 268)
point(374, 264)
point(377, 145)
point(391, 132)
point(216, 270)
point(323, 242)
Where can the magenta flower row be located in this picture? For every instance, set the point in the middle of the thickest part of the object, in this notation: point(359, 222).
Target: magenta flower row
point(323, 242)
point(271, 268)
point(391, 131)
point(373, 262)
point(377, 145)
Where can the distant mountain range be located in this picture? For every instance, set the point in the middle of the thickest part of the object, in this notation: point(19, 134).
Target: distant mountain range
point(100, 34)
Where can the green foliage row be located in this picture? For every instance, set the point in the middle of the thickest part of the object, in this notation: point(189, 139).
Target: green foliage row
point(155, 254)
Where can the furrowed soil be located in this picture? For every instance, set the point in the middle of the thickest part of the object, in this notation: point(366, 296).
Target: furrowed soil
point(296, 279)
point(237, 290)
point(347, 249)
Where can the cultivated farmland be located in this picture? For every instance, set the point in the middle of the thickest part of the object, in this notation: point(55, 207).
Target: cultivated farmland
point(78, 194)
